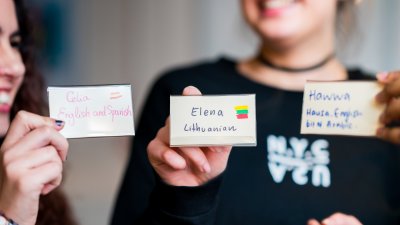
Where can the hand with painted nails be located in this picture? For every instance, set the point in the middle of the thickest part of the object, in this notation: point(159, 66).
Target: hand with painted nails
point(336, 219)
point(31, 163)
point(186, 166)
point(391, 115)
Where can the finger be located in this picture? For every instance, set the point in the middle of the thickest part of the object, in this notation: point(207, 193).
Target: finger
point(218, 158)
point(197, 158)
point(191, 90)
point(220, 149)
point(313, 222)
point(392, 86)
point(392, 112)
point(49, 187)
point(39, 138)
point(24, 122)
point(382, 77)
point(37, 178)
point(47, 176)
point(160, 154)
point(34, 159)
point(389, 134)
point(163, 134)
point(341, 219)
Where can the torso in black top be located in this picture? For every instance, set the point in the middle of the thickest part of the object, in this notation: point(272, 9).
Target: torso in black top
point(288, 178)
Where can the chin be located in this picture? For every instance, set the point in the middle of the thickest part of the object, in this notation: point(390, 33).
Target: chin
point(280, 36)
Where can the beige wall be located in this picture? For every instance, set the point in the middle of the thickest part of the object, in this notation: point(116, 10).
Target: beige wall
point(131, 41)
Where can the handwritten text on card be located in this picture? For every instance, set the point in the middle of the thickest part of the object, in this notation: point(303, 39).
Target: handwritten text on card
point(342, 108)
point(91, 111)
point(213, 120)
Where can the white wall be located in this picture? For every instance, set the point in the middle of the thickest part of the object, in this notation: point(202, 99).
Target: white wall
point(132, 41)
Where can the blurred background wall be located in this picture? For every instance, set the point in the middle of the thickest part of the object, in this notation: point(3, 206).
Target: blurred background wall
point(133, 41)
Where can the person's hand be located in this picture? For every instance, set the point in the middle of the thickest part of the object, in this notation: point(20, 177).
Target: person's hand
point(389, 96)
point(336, 219)
point(186, 166)
point(31, 162)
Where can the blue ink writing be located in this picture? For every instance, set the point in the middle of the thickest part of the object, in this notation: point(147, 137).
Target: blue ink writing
point(196, 128)
point(199, 111)
point(320, 96)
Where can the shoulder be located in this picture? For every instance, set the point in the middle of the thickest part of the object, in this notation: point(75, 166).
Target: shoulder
point(200, 74)
point(359, 74)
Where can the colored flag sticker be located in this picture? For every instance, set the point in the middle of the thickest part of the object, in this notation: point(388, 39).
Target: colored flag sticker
point(242, 112)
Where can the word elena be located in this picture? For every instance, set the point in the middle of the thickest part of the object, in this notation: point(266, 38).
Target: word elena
point(196, 128)
point(199, 111)
point(320, 96)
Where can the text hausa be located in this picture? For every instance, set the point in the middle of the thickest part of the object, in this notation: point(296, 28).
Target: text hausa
point(71, 115)
point(307, 161)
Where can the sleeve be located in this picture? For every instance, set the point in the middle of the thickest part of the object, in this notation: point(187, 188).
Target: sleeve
point(182, 205)
point(139, 179)
point(144, 199)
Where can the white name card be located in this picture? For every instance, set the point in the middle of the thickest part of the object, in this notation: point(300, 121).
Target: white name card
point(93, 111)
point(341, 108)
point(213, 120)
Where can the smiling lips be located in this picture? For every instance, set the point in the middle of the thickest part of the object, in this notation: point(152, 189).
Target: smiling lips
point(276, 4)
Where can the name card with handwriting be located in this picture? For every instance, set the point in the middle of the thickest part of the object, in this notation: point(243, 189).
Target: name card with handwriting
point(213, 120)
point(341, 108)
point(93, 111)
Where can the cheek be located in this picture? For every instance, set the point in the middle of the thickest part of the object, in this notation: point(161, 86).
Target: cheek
point(250, 11)
point(19, 71)
point(323, 11)
point(18, 66)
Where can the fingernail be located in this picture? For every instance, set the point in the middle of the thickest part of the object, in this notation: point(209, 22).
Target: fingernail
point(59, 123)
point(382, 76)
point(187, 89)
point(206, 168)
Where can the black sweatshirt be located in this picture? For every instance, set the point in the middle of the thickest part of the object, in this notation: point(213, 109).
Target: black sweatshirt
point(287, 179)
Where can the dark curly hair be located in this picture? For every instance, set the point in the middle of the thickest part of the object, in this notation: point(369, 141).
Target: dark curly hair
point(54, 207)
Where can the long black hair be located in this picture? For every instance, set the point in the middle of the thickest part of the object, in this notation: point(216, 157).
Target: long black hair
point(30, 96)
point(54, 207)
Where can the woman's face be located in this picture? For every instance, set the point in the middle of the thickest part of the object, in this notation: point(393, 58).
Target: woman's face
point(12, 69)
point(287, 21)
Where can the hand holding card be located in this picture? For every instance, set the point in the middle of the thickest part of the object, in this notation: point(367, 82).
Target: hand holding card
point(186, 166)
point(391, 114)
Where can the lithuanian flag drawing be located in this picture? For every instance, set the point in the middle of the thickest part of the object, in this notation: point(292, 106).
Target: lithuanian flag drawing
point(242, 111)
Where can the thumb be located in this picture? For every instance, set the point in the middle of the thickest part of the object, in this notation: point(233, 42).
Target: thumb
point(191, 90)
point(313, 222)
point(382, 77)
point(24, 122)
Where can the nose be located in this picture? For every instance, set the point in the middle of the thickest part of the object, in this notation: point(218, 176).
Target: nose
point(10, 61)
